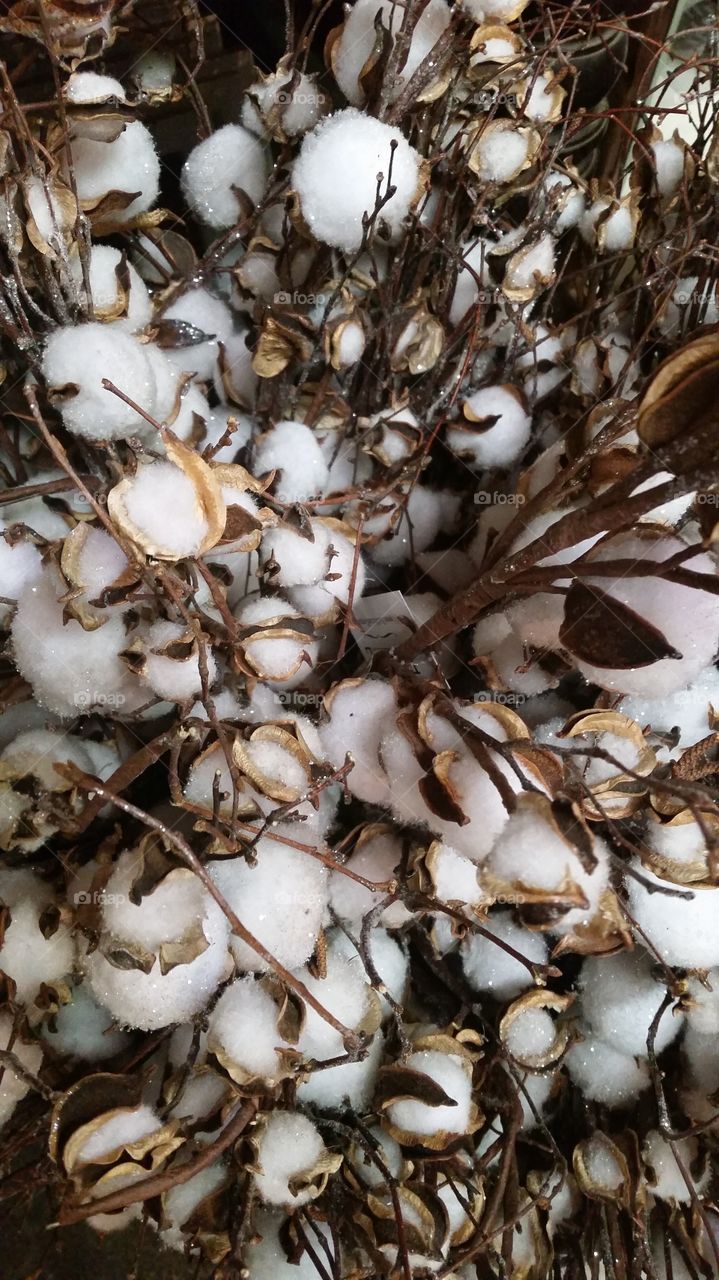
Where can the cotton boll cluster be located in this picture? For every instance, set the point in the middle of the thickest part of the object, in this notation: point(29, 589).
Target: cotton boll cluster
point(335, 177)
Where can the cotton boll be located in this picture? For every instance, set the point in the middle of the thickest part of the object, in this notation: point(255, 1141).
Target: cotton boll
point(154, 73)
point(181, 1201)
point(216, 425)
point(571, 206)
point(357, 39)
point(289, 1145)
point(26, 955)
point(620, 999)
point(302, 561)
point(265, 1257)
point(35, 513)
point(388, 958)
point(454, 877)
point(281, 901)
point(243, 1028)
point(348, 1084)
point(178, 906)
point(502, 431)
point(389, 1152)
point(292, 98)
point(615, 233)
point(687, 709)
point(88, 86)
point(604, 1074)
point(345, 992)
point(663, 1172)
point(171, 678)
point(123, 1127)
point(229, 159)
point(70, 670)
point(20, 566)
point(12, 1087)
point(161, 502)
point(80, 357)
point(376, 859)
point(689, 619)
point(683, 931)
point(129, 164)
point(199, 309)
point(669, 164)
point(127, 307)
point(501, 153)
point(703, 1012)
point(292, 449)
point(83, 1029)
point(448, 1071)
point(335, 177)
point(416, 529)
point(358, 714)
point(488, 967)
point(531, 266)
point(531, 852)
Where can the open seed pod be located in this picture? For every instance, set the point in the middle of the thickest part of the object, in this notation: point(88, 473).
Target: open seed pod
point(529, 270)
point(290, 1172)
point(207, 510)
point(530, 1034)
point(601, 1169)
point(276, 763)
point(492, 132)
point(51, 213)
point(276, 1016)
point(676, 849)
point(493, 43)
point(618, 794)
point(417, 1109)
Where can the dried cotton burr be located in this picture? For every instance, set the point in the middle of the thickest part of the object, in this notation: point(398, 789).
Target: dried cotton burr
point(355, 42)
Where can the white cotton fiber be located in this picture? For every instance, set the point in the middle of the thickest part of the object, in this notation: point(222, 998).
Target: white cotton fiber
point(291, 97)
point(83, 1029)
point(684, 931)
point(451, 1074)
point(348, 1084)
point(12, 1087)
point(358, 36)
point(604, 1074)
point(20, 565)
point(26, 955)
point(161, 501)
point(620, 999)
point(487, 967)
point(664, 1174)
point(502, 430)
point(454, 877)
point(201, 310)
point(79, 357)
point(180, 1201)
point(71, 670)
point(292, 449)
point(389, 1152)
point(88, 86)
point(358, 717)
point(344, 991)
point(500, 153)
point(531, 852)
point(378, 860)
point(288, 1145)
point(281, 901)
point(130, 310)
point(129, 164)
point(230, 158)
point(686, 709)
point(688, 618)
point(124, 1126)
point(174, 678)
point(265, 1257)
point(243, 1026)
point(416, 529)
point(336, 177)
point(530, 1035)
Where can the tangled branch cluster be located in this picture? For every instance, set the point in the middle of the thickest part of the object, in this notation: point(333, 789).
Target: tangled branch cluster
point(359, 897)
